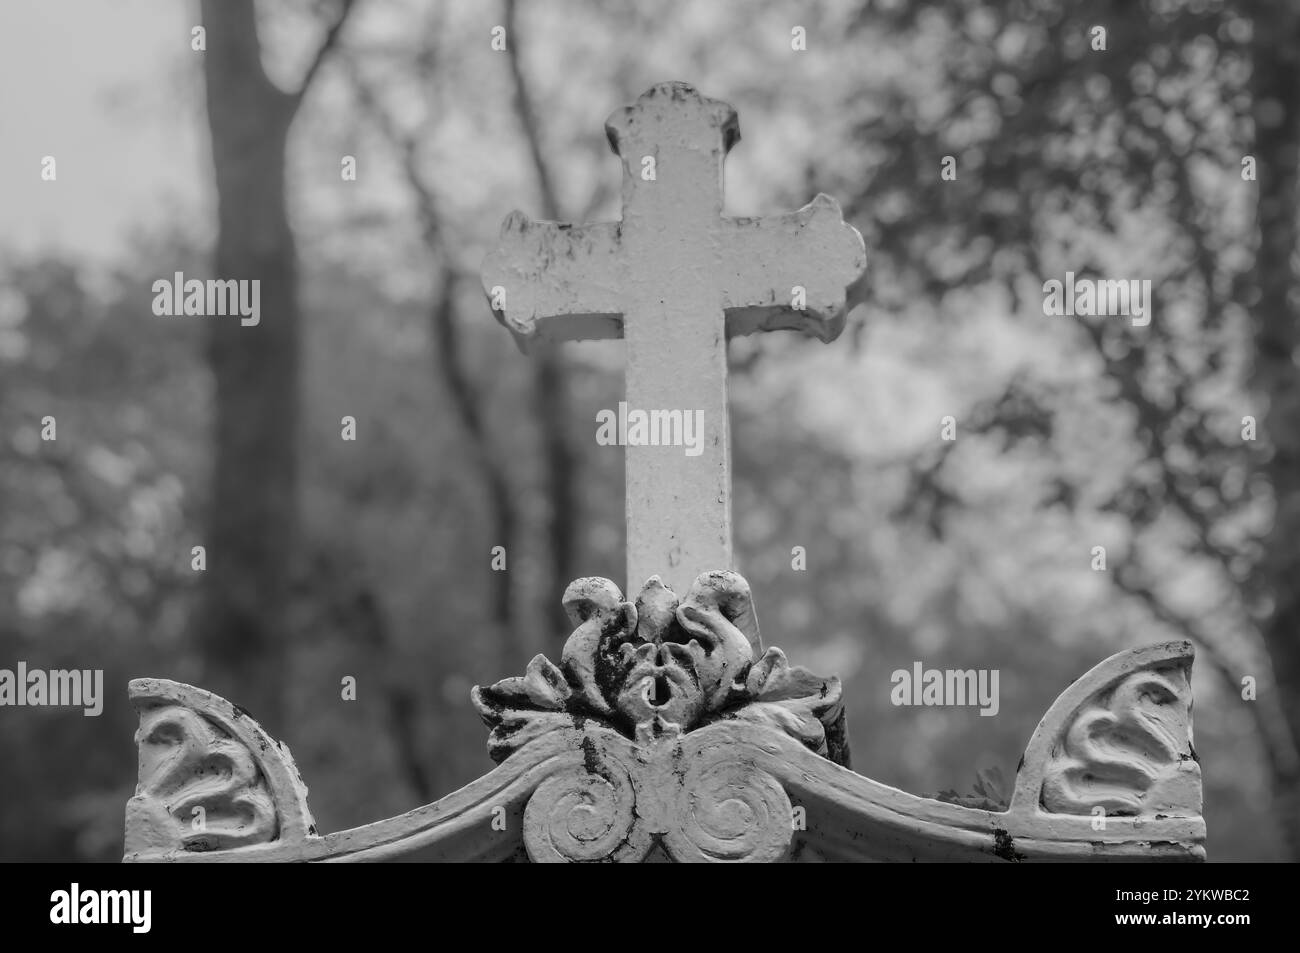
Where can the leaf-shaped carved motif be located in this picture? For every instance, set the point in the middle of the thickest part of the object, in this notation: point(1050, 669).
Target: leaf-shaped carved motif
point(1129, 750)
point(209, 777)
point(793, 699)
point(207, 785)
point(663, 664)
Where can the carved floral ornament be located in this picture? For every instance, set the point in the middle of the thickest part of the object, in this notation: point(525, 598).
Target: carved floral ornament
point(663, 666)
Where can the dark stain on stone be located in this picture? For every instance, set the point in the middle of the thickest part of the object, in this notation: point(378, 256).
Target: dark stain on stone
point(1004, 846)
point(590, 759)
point(679, 769)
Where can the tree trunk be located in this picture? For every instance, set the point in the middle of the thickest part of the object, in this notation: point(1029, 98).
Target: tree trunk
point(1276, 317)
point(251, 526)
point(552, 411)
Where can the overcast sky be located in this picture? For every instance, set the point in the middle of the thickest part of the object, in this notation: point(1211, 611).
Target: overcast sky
point(103, 86)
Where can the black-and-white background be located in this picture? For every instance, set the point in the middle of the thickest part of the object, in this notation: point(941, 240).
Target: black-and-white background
point(983, 148)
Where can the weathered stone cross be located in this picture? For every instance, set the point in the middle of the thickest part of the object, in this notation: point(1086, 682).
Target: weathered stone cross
point(675, 278)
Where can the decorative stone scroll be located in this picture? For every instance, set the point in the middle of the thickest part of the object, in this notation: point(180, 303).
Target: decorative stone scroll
point(210, 778)
point(663, 735)
point(1121, 746)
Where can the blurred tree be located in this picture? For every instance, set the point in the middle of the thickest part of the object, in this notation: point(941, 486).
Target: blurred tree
point(1275, 313)
point(1065, 144)
point(467, 392)
point(551, 406)
point(252, 518)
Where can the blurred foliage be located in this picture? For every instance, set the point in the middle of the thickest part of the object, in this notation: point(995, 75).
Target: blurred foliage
point(991, 792)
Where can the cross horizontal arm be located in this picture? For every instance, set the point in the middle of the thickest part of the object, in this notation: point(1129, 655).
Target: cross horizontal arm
point(789, 272)
point(556, 282)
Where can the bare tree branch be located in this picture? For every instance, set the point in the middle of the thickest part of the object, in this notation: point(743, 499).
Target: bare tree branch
point(550, 390)
point(527, 119)
point(466, 398)
point(322, 52)
point(1270, 719)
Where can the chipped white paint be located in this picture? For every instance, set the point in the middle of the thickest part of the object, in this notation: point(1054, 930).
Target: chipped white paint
point(675, 278)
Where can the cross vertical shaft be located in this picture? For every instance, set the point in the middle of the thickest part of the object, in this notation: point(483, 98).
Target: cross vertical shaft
point(678, 507)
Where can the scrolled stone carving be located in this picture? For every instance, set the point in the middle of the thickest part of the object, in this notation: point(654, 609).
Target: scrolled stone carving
point(584, 812)
point(663, 665)
point(729, 810)
point(201, 788)
point(1120, 740)
point(717, 785)
point(1129, 750)
point(209, 778)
